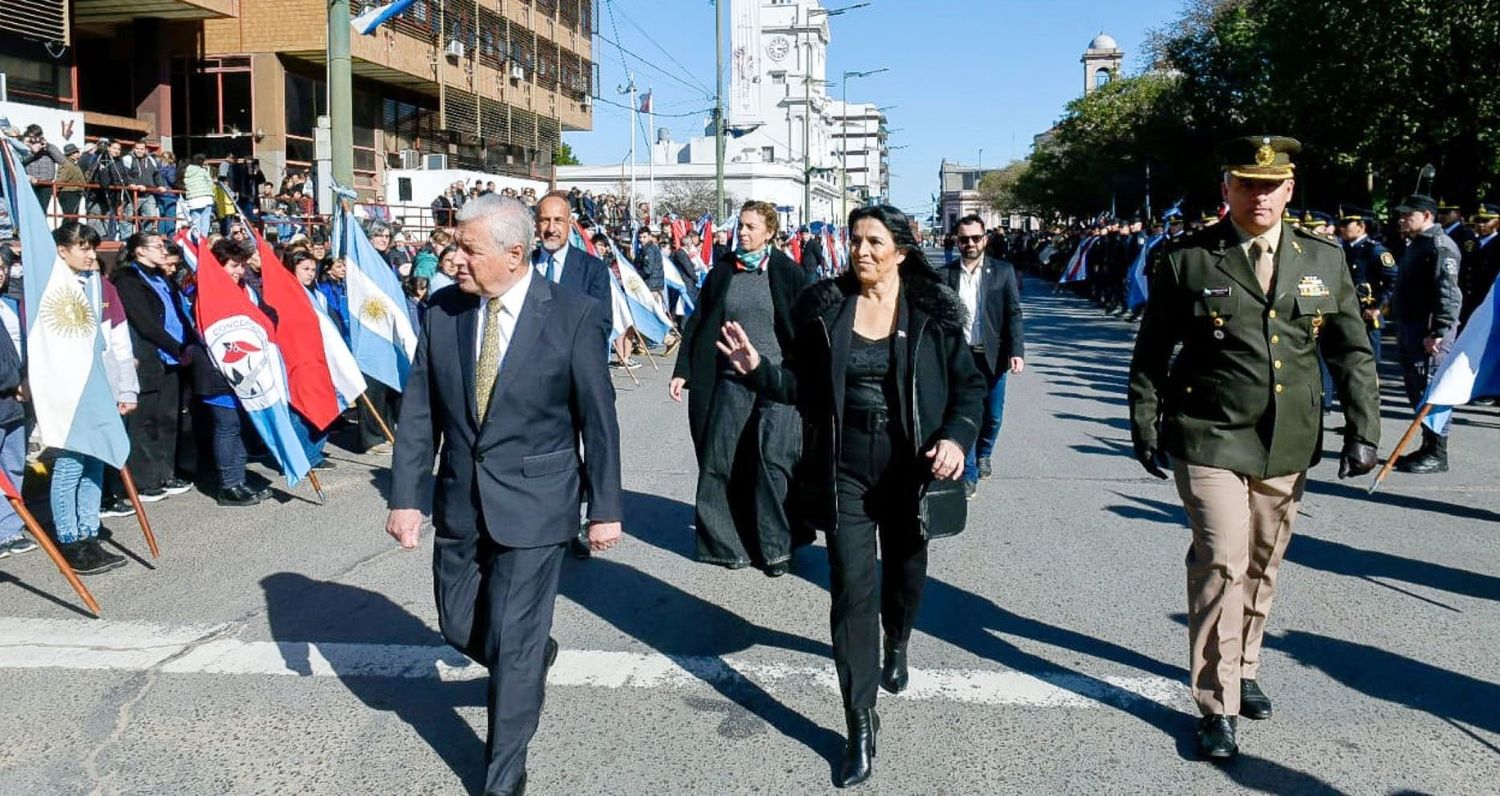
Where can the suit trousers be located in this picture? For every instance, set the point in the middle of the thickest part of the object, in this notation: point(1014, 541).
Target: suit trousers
point(495, 606)
point(1241, 527)
point(744, 471)
point(153, 433)
point(876, 473)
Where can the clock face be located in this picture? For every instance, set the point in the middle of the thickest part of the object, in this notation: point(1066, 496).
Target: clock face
point(778, 48)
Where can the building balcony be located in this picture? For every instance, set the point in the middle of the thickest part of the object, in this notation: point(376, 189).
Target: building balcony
point(97, 12)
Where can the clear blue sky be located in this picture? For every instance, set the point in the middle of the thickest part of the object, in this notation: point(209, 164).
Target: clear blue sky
point(964, 74)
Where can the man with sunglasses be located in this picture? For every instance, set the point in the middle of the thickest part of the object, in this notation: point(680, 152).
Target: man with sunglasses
point(990, 291)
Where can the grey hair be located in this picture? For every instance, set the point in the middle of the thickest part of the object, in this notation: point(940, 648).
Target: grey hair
point(508, 219)
point(375, 226)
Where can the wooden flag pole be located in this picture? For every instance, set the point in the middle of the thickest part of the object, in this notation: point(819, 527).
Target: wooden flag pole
point(1411, 431)
point(628, 372)
point(140, 510)
point(312, 478)
point(646, 348)
point(384, 429)
point(45, 542)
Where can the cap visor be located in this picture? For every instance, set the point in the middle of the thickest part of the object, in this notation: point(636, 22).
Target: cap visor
point(1262, 176)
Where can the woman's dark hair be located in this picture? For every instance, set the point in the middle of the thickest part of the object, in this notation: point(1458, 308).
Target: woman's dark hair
point(138, 241)
point(415, 286)
point(173, 250)
point(447, 250)
point(767, 213)
point(229, 249)
point(199, 158)
point(296, 256)
point(72, 233)
point(900, 226)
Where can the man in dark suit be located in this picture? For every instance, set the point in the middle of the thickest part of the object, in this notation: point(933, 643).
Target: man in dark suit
point(509, 376)
point(813, 261)
point(576, 270)
point(990, 290)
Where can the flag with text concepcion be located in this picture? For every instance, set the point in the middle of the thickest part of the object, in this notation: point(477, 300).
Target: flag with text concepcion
point(243, 345)
point(308, 378)
point(74, 406)
point(380, 330)
point(1471, 369)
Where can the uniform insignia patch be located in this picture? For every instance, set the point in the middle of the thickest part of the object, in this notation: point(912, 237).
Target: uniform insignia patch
point(1312, 287)
point(1450, 265)
point(1468, 245)
point(1387, 259)
point(1216, 292)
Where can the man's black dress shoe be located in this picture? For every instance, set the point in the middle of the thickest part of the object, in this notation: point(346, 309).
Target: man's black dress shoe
point(777, 570)
point(551, 654)
point(1216, 737)
point(1254, 704)
point(985, 469)
point(893, 675)
point(238, 495)
point(859, 754)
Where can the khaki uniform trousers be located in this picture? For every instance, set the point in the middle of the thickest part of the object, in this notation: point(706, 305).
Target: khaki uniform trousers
point(1241, 527)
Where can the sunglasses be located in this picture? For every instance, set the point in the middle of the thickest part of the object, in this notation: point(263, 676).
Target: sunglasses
point(970, 238)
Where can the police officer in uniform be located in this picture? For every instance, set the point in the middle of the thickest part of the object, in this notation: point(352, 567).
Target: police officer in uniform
point(1372, 268)
point(1451, 218)
point(1481, 259)
point(1427, 301)
point(1235, 414)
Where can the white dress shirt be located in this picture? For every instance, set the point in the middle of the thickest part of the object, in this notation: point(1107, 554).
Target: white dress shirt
point(970, 289)
point(511, 302)
point(559, 259)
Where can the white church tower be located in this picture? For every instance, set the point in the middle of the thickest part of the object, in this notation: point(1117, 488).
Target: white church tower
point(1101, 62)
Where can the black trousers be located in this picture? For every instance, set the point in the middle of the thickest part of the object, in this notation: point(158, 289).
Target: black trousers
point(384, 400)
point(495, 605)
point(877, 470)
point(744, 473)
point(153, 433)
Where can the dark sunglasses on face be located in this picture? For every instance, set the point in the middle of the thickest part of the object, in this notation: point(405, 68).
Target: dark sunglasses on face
point(970, 238)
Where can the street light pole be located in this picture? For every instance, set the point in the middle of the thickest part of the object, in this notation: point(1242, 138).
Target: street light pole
point(807, 109)
point(341, 94)
point(844, 142)
point(720, 212)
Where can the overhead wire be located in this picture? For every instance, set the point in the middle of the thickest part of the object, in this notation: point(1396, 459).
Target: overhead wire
point(663, 50)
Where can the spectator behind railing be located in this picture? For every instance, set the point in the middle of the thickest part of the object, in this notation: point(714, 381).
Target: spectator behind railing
point(198, 193)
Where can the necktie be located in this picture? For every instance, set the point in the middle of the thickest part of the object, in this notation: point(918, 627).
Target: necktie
point(1263, 262)
point(490, 352)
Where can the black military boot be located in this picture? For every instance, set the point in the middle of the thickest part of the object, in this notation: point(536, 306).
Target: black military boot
point(1216, 739)
point(893, 675)
point(859, 753)
point(1436, 460)
point(1404, 461)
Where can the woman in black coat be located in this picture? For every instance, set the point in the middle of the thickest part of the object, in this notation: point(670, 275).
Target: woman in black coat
point(890, 400)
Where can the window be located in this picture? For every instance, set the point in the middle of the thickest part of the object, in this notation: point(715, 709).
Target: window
point(1102, 76)
point(768, 154)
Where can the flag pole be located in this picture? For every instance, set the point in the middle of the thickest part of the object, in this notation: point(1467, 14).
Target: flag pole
point(1411, 431)
point(45, 542)
point(140, 510)
point(312, 478)
point(384, 429)
point(645, 347)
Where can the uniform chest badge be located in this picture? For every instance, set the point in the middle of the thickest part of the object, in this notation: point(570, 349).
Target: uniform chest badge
point(1216, 292)
point(1312, 287)
point(1387, 259)
point(1469, 245)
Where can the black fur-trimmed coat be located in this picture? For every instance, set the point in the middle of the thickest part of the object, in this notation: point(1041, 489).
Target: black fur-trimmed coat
point(941, 393)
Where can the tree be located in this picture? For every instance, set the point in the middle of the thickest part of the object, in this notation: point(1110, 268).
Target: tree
point(689, 199)
point(563, 156)
point(998, 187)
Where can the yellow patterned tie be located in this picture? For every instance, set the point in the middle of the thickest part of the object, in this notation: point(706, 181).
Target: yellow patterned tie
point(489, 356)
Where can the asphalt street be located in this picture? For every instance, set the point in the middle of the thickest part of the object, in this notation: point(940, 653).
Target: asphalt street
point(291, 648)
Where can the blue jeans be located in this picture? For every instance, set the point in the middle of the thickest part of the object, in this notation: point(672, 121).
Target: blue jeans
point(994, 415)
point(229, 447)
point(13, 461)
point(202, 219)
point(77, 488)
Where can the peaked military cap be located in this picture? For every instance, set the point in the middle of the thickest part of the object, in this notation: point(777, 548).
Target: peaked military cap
point(1487, 211)
point(1349, 213)
point(1443, 206)
point(1260, 157)
point(1417, 203)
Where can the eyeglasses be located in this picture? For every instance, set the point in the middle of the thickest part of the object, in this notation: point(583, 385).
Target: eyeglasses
point(970, 238)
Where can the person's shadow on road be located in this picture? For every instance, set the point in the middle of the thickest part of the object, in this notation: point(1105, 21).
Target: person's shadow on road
point(303, 613)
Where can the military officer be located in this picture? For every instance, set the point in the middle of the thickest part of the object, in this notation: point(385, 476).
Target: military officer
point(1451, 218)
point(1427, 302)
point(1477, 270)
point(1235, 413)
point(1372, 268)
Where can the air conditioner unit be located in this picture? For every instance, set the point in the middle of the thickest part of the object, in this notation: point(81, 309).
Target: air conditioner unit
point(410, 159)
point(455, 50)
point(435, 161)
point(585, 102)
point(517, 72)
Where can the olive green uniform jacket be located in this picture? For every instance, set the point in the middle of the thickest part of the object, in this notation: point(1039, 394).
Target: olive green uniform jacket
point(1244, 393)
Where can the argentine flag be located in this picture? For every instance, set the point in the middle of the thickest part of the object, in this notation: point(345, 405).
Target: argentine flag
point(75, 408)
point(674, 280)
point(376, 16)
point(380, 331)
point(650, 317)
point(1139, 290)
point(1472, 369)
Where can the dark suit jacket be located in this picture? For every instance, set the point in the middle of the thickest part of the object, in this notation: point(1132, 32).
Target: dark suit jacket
point(148, 331)
point(517, 474)
point(1003, 334)
point(812, 257)
point(588, 275)
point(684, 265)
point(698, 358)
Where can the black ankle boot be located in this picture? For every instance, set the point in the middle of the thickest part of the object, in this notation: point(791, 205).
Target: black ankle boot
point(893, 676)
point(859, 753)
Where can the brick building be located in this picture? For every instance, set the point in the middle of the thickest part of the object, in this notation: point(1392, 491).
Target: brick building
point(488, 85)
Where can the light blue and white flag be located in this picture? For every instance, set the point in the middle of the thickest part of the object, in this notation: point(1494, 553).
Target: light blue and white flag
point(1472, 369)
point(1138, 287)
point(75, 408)
point(380, 330)
point(649, 316)
point(675, 282)
point(376, 16)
